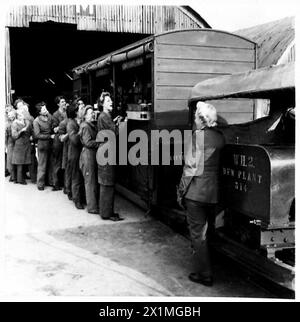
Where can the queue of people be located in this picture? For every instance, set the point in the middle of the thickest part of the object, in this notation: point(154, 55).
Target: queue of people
point(67, 142)
point(59, 150)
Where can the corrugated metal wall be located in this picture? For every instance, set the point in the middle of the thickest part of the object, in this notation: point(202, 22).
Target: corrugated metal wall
point(111, 18)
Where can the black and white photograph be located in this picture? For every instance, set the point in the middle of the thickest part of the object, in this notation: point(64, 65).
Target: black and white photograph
point(149, 152)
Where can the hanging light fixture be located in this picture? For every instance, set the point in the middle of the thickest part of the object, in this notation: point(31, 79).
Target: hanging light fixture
point(70, 77)
point(51, 81)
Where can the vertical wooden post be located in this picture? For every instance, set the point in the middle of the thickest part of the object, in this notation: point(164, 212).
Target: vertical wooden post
point(114, 94)
point(8, 98)
point(90, 88)
point(153, 171)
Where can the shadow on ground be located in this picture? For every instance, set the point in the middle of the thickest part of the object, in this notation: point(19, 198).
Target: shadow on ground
point(155, 250)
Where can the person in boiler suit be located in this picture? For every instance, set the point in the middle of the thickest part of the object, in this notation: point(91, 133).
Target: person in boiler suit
point(74, 151)
point(57, 147)
point(106, 173)
point(42, 132)
point(9, 144)
point(201, 195)
point(21, 130)
point(87, 160)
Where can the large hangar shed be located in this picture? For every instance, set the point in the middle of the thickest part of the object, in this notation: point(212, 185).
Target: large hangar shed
point(275, 41)
point(44, 42)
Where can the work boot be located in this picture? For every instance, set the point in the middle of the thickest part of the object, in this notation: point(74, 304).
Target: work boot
point(114, 217)
point(198, 278)
point(78, 205)
point(56, 188)
point(93, 211)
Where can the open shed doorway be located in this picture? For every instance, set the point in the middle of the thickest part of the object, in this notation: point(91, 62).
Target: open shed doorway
point(43, 55)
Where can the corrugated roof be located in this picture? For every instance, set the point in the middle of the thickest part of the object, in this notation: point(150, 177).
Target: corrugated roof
point(272, 39)
point(195, 15)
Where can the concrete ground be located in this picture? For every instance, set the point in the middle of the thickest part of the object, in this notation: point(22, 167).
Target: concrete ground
point(53, 249)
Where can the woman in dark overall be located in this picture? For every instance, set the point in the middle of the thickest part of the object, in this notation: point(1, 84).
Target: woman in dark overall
point(21, 131)
point(74, 151)
point(200, 177)
point(33, 165)
point(42, 132)
point(64, 138)
point(57, 147)
point(87, 160)
point(9, 144)
point(106, 173)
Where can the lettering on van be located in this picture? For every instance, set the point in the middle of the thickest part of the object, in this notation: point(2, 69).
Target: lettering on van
point(243, 172)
